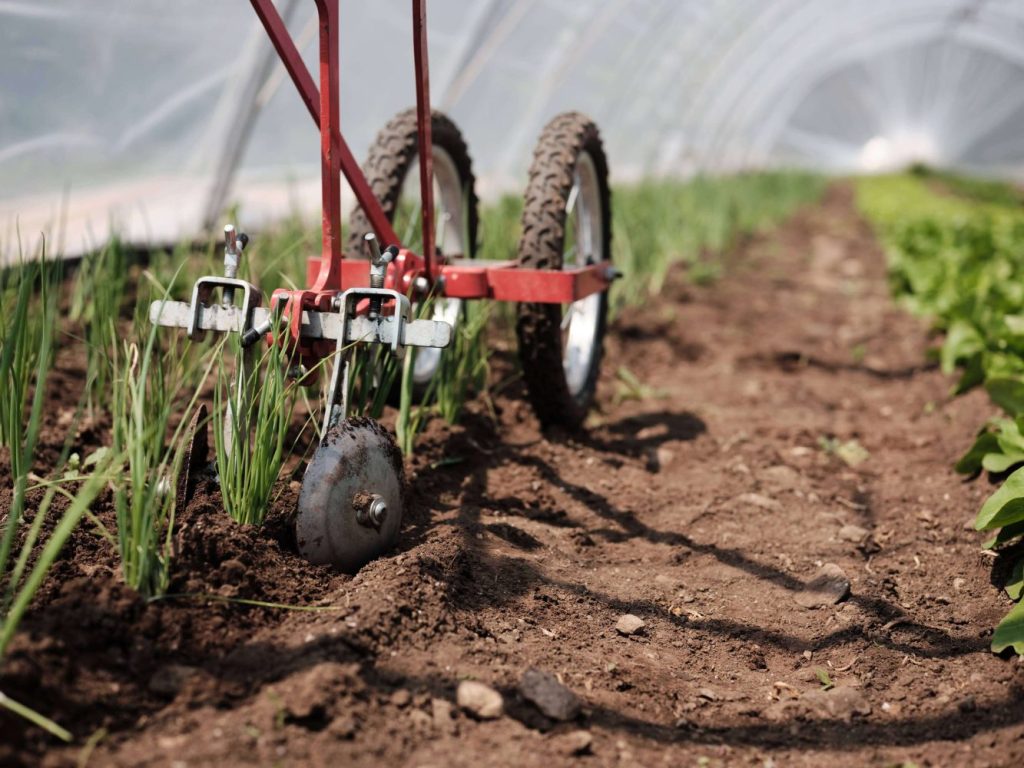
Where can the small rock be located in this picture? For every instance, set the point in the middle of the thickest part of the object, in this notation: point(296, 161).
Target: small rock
point(854, 533)
point(401, 698)
point(171, 679)
point(480, 700)
point(444, 719)
point(707, 693)
point(543, 690)
point(574, 743)
point(628, 624)
point(760, 501)
point(829, 586)
point(958, 583)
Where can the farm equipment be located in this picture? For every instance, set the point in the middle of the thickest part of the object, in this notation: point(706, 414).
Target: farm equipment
point(350, 505)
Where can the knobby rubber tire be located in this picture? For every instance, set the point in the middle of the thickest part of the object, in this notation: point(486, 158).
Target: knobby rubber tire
point(387, 165)
point(541, 246)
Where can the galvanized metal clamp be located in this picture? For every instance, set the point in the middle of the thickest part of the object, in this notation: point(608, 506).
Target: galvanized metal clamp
point(397, 330)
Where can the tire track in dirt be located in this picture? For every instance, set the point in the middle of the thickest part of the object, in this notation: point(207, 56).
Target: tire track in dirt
point(704, 507)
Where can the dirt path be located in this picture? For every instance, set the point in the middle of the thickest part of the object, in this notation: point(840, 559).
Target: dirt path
point(705, 507)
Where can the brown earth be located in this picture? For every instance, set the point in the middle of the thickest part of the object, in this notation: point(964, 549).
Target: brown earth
point(705, 503)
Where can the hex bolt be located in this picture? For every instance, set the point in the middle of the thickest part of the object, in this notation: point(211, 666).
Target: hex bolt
point(234, 243)
point(378, 269)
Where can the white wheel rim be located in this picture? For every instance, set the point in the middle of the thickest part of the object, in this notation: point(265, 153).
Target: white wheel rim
point(583, 245)
point(450, 219)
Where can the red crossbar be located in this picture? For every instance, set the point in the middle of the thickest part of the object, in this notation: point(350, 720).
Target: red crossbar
point(499, 280)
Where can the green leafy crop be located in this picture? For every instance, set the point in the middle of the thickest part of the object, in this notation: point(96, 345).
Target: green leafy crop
point(956, 254)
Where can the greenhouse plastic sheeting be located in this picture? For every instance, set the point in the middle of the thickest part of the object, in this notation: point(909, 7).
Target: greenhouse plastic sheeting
point(148, 117)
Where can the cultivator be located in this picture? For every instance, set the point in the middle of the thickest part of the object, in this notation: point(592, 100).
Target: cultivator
point(350, 505)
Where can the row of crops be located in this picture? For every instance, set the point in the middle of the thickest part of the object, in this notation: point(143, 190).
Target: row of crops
point(956, 255)
point(143, 388)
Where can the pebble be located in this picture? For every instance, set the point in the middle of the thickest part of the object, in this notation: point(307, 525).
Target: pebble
point(480, 700)
point(628, 624)
point(828, 587)
point(574, 743)
point(543, 690)
point(853, 533)
point(401, 698)
point(759, 500)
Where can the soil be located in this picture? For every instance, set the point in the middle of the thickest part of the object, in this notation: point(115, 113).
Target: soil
point(776, 504)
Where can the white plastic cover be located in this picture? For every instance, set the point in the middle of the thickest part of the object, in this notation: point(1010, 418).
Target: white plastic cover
point(147, 117)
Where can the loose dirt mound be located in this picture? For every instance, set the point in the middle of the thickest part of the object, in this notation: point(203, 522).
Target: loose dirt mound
point(776, 505)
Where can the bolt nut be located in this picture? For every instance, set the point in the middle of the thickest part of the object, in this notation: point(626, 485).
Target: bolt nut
point(371, 512)
point(378, 511)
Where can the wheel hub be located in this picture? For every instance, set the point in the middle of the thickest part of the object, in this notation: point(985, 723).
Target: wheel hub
point(350, 505)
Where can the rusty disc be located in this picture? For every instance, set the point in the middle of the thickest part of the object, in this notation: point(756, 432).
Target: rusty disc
point(356, 470)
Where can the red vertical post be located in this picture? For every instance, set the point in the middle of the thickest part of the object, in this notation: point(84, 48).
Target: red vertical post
point(330, 171)
point(419, 45)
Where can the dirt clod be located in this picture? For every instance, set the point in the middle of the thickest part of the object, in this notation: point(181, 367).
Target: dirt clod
point(443, 716)
point(169, 680)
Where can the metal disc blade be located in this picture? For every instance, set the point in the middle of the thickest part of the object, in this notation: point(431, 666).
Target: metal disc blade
point(356, 466)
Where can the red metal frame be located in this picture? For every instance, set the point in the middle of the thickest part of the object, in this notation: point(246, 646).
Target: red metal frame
point(331, 271)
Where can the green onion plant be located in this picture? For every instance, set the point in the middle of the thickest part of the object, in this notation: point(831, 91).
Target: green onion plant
point(250, 428)
point(27, 552)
